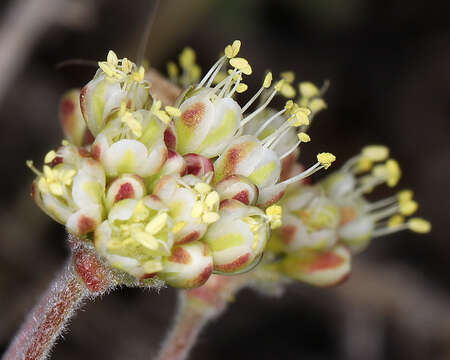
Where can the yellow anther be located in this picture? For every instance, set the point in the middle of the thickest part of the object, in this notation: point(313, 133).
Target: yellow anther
point(275, 213)
point(232, 50)
point(103, 65)
point(241, 88)
point(289, 76)
point(178, 227)
point(195, 72)
point(162, 115)
point(51, 155)
point(146, 240)
point(304, 137)
point(408, 207)
point(405, 195)
point(289, 105)
point(127, 65)
point(139, 75)
point(279, 85)
point(326, 159)
point(364, 165)
point(157, 223)
point(308, 89)
point(301, 117)
point(197, 209)
point(267, 80)
point(241, 64)
point(210, 217)
point(419, 225)
point(140, 212)
point(380, 171)
point(156, 105)
point(212, 199)
point(173, 111)
point(202, 188)
point(395, 221)
point(393, 172)
point(112, 59)
point(172, 69)
point(219, 77)
point(375, 152)
point(123, 108)
point(133, 124)
point(317, 105)
point(187, 57)
point(287, 90)
point(152, 266)
point(65, 143)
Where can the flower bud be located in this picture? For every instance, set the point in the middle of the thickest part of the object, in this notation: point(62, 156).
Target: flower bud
point(125, 187)
point(113, 84)
point(239, 188)
point(238, 238)
point(170, 137)
point(318, 268)
point(174, 165)
point(246, 156)
point(207, 124)
point(189, 265)
point(70, 189)
point(198, 165)
point(136, 235)
point(131, 143)
point(72, 121)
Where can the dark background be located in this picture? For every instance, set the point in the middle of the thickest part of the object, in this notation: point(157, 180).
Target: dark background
point(389, 66)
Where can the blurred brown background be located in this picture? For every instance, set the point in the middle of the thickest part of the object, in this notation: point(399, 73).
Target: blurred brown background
point(389, 66)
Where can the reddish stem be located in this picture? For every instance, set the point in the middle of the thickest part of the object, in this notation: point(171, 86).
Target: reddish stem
point(196, 308)
point(84, 276)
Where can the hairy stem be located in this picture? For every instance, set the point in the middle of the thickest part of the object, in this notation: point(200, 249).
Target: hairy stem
point(195, 309)
point(83, 277)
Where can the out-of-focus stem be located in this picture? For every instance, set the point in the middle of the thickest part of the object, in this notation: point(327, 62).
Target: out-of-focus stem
point(196, 308)
point(84, 276)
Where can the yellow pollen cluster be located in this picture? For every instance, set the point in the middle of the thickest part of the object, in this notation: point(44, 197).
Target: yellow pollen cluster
point(326, 159)
point(419, 225)
point(390, 172)
point(118, 70)
point(275, 213)
point(304, 137)
point(267, 80)
point(204, 208)
point(143, 231)
point(241, 64)
point(164, 115)
point(308, 89)
point(232, 50)
point(53, 180)
point(254, 226)
point(395, 220)
point(129, 119)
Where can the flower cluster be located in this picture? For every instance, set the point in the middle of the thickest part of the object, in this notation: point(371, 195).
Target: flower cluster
point(324, 224)
point(176, 191)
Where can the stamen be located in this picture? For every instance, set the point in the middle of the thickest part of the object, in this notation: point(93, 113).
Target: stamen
point(33, 168)
point(213, 68)
point(257, 111)
point(303, 137)
point(268, 121)
point(266, 84)
point(324, 162)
